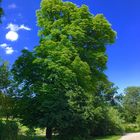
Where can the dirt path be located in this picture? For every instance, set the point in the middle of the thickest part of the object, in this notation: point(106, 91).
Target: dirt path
point(131, 136)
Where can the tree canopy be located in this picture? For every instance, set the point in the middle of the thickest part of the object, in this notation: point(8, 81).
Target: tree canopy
point(58, 82)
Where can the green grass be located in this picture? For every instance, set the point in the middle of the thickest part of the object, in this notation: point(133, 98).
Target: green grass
point(22, 137)
point(43, 138)
point(108, 138)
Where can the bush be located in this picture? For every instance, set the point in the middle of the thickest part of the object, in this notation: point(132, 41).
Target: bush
point(107, 122)
point(115, 123)
point(133, 127)
point(8, 130)
point(138, 121)
point(30, 132)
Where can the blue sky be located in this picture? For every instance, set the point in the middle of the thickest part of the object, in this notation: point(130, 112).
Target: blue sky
point(19, 31)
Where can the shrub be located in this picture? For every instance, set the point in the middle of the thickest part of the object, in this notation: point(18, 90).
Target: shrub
point(131, 127)
point(115, 123)
point(8, 130)
point(107, 122)
point(138, 121)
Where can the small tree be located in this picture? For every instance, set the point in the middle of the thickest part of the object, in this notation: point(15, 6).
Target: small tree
point(4, 77)
point(6, 102)
point(131, 103)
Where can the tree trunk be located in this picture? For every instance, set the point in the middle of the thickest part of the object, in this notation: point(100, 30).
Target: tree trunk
point(49, 133)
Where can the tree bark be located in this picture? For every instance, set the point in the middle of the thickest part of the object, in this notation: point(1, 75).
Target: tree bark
point(49, 133)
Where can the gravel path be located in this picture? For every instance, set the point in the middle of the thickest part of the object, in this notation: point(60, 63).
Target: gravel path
point(131, 136)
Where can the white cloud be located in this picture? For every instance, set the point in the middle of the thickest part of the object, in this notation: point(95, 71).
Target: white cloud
point(15, 27)
point(12, 35)
point(12, 27)
point(12, 6)
point(24, 27)
point(8, 50)
point(3, 45)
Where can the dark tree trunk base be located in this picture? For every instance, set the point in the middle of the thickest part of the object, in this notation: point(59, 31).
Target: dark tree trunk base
point(49, 133)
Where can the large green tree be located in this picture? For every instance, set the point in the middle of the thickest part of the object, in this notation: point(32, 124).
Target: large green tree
point(57, 82)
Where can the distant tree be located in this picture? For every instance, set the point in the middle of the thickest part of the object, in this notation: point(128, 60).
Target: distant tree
point(58, 81)
point(131, 103)
point(6, 102)
point(6, 106)
point(107, 91)
point(4, 77)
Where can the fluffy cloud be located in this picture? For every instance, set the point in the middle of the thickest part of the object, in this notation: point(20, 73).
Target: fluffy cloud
point(12, 35)
point(3, 45)
point(8, 50)
point(12, 6)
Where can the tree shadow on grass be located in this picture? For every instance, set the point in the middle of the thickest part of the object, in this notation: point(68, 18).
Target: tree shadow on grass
point(23, 137)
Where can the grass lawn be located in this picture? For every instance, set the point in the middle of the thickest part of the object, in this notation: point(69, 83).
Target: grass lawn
point(22, 137)
point(108, 138)
point(43, 138)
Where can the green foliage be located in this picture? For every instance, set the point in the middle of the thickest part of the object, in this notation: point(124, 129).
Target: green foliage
point(58, 82)
point(131, 109)
point(6, 102)
point(6, 106)
point(116, 123)
point(107, 92)
point(138, 120)
point(131, 127)
point(107, 121)
point(4, 77)
point(8, 130)
point(131, 103)
point(30, 132)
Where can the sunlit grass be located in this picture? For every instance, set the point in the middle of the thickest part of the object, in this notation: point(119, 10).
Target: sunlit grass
point(108, 138)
